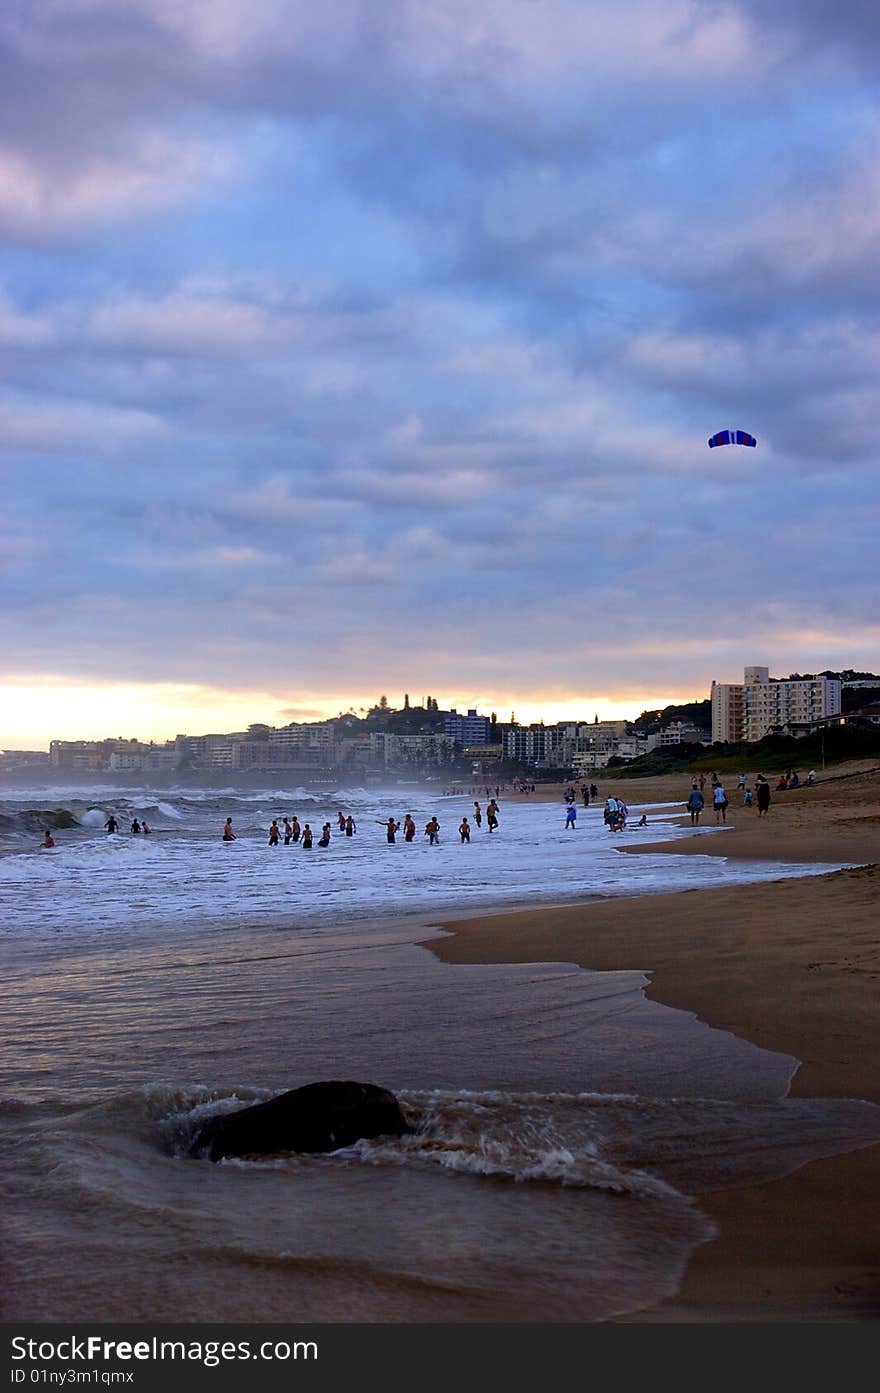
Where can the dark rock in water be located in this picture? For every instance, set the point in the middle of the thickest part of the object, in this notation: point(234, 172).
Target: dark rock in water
point(317, 1117)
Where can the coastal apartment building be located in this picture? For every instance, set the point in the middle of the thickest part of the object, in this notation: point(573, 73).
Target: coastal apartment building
point(265, 747)
point(679, 733)
point(467, 730)
point(727, 712)
point(526, 744)
point(387, 748)
point(154, 759)
point(583, 745)
point(762, 704)
point(99, 754)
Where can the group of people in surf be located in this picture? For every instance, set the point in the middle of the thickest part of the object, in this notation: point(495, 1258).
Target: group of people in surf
point(292, 833)
point(432, 826)
point(139, 825)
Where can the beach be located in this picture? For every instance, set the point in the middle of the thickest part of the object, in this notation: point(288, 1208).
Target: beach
point(640, 1067)
point(790, 965)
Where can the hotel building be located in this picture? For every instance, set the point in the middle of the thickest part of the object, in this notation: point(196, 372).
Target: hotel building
point(761, 704)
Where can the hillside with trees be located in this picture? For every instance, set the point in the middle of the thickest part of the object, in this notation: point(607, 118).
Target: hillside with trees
point(700, 712)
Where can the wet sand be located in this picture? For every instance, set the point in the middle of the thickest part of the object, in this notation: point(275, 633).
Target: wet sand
point(791, 965)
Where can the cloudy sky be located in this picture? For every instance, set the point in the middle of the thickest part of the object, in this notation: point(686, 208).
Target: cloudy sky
point(374, 347)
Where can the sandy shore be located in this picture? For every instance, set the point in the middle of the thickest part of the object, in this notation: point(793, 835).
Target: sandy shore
point(791, 965)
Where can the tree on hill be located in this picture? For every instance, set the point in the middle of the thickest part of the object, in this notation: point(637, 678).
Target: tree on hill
point(699, 712)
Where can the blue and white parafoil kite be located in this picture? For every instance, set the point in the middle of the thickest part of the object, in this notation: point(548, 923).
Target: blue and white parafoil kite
point(732, 437)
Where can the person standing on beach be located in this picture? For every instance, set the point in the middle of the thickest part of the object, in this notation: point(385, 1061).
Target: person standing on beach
point(492, 815)
point(464, 830)
point(571, 813)
point(719, 802)
point(432, 832)
point(695, 804)
point(228, 834)
point(111, 824)
point(409, 828)
point(762, 795)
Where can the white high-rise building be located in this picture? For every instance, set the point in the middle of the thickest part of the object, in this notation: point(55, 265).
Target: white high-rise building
point(727, 712)
point(761, 703)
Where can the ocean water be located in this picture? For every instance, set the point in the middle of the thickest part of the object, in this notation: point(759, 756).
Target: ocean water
point(565, 1126)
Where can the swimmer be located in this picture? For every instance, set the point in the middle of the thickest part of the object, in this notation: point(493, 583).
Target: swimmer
point(111, 824)
point(324, 839)
point(145, 828)
point(391, 828)
point(135, 826)
point(48, 839)
point(228, 834)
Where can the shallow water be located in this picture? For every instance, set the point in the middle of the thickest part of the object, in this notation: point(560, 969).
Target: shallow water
point(565, 1126)
point(182, 874)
